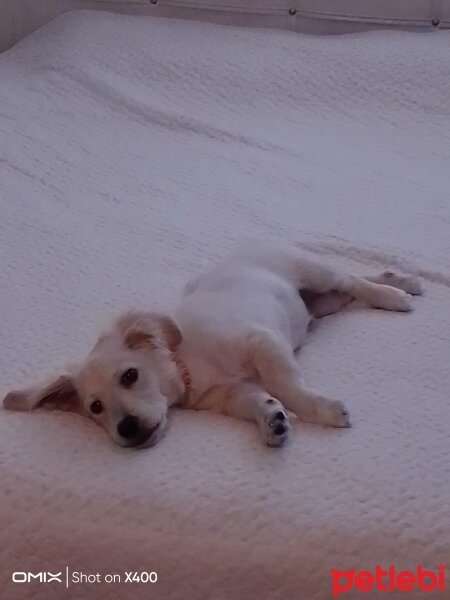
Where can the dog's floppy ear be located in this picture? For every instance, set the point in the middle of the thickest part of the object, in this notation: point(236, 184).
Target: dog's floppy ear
point(59, 394)
point(149, 330)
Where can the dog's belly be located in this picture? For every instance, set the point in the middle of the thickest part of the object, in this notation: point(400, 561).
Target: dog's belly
point(216, 323)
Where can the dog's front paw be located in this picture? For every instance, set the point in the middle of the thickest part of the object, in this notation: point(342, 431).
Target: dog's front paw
point(275, 426)
point(333, 413)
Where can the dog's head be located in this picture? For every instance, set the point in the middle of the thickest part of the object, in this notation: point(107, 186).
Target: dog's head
point(126, 384)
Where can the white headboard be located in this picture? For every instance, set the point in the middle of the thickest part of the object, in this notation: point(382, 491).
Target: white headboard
point(20, 17)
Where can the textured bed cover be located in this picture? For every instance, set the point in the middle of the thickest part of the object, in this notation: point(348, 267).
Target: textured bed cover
point(134, 153)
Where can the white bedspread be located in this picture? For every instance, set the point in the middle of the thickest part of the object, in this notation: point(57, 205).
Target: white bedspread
point(133, 153)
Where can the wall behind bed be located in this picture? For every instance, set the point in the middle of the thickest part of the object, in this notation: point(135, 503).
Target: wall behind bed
point(20, 17)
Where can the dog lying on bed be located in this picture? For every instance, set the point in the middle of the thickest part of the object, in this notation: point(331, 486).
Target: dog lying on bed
point(230, 350)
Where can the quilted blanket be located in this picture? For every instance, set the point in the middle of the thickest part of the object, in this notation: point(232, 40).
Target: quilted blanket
point(135, 152)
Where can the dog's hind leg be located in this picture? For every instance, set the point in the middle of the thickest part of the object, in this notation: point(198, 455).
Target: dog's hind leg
point(323, 304)
point(319, 279)
point(313, 277)
point(248, 400)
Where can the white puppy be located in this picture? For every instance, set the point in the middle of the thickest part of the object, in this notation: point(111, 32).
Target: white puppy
point(230, 350)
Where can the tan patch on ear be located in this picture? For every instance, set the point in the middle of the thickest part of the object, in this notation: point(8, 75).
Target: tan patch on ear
point(137, 338)
point(148, 330)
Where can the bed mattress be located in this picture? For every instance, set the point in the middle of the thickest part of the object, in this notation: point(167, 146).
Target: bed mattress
point(134, 153)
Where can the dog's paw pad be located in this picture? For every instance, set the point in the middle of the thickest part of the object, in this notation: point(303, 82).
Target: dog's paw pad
point(275, 428)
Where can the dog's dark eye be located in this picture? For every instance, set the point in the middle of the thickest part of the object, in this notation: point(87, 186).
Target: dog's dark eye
point(129, 377)
point(97, 407)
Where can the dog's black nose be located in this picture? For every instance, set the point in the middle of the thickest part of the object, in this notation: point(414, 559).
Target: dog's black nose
point(128, 427)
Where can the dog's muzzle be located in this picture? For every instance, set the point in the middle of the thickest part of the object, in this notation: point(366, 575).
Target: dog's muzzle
point(135, 432)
